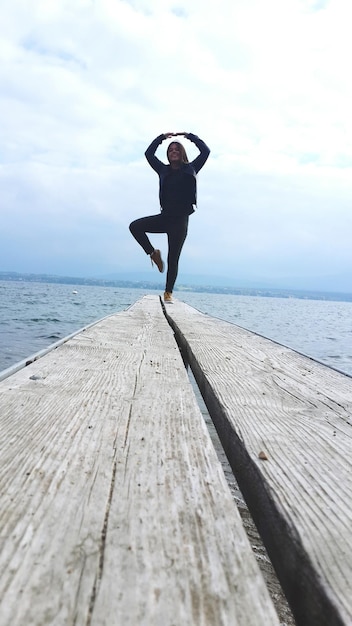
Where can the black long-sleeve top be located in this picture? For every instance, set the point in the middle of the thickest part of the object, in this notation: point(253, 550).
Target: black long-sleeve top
point(178, 188)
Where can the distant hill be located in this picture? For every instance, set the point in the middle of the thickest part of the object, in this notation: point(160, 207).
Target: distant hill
point(333, 283)
point(204, 284)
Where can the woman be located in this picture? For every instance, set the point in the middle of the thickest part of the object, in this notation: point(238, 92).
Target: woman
point(177, 195)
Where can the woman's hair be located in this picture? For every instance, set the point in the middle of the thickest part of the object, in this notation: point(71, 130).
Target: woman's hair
point(184, 157)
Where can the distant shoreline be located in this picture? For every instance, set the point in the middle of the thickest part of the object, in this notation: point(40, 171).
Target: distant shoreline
point(226, 290)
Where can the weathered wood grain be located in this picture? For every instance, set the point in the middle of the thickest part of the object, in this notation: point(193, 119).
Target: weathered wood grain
point(266, 398)
point(114, 507)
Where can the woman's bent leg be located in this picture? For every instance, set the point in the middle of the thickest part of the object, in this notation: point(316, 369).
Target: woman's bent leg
point(177, 233)
point(151, 224)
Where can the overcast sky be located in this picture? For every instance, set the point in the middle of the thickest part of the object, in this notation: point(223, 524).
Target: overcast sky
point(85, 85)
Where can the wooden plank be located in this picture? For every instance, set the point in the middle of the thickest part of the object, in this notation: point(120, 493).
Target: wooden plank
point(265, 397)
point(114, 507)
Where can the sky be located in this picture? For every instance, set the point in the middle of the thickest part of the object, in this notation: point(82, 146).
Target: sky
point(85, 85)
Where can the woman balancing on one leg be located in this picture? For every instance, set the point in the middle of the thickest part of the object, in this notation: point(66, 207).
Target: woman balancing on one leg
point(177, 195)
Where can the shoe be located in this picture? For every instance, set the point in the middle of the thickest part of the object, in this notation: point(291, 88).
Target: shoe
point(156, 258)
point(168, 297)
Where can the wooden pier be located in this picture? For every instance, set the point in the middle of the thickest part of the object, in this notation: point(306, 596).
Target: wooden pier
point(114, 507)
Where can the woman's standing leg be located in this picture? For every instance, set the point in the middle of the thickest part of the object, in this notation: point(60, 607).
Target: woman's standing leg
point(176, 234)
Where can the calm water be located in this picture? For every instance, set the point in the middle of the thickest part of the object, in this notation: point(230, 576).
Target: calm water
point(35, 315)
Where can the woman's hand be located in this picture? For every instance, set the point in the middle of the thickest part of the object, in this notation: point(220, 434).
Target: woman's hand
point(168, 135)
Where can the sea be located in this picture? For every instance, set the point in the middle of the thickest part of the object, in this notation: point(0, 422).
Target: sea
point(35, 315)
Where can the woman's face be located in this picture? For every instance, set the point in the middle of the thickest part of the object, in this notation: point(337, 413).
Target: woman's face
point(174, 153)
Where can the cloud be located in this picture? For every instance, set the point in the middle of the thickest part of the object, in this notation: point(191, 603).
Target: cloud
point(85, 86)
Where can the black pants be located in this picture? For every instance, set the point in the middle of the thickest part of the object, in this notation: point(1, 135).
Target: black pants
point(176, 230)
